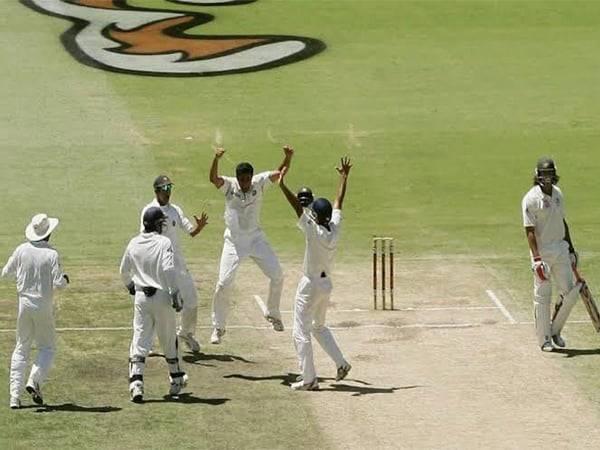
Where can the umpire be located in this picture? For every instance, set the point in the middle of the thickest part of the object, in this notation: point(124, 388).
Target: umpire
point(148, 271)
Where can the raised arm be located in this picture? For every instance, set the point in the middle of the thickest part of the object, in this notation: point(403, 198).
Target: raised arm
point(214, 169)
point(291, 198)
point(287, 161)
point(344, 171)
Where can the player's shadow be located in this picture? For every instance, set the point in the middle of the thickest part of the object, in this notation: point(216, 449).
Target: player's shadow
point(72, 407)
point(572, 352)
point(288, 379)
point(199, 358)
point(188, 398)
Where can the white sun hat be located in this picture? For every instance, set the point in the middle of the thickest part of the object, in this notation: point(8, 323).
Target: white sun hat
point(40, 227)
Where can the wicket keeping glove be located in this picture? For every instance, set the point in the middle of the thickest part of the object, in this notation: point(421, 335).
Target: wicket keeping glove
point(176, 301)
point(540, 268)
point(574, 256)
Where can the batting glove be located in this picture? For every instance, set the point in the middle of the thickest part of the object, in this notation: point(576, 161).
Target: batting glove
point(574, 256)
point(540, 268)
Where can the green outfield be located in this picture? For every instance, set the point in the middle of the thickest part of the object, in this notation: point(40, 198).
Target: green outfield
point(443, 106)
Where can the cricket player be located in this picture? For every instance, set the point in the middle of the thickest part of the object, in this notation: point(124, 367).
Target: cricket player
point(244, 238)
point(552, 253)
point(36, 266)
point(163, 187)
point(321, 227)
point(149, 272)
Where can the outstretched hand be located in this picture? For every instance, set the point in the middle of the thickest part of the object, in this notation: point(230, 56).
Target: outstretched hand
point(345, 166)
point(201, 221)
point(219, 151)
point(289, 151)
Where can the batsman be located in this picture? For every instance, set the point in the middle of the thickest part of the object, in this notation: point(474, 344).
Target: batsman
point(553, 255)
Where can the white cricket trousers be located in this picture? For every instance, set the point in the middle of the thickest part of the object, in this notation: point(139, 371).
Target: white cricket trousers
point(189, 313)
point(310, 309)
point(35, 323)
point(153, 315)
point(258, 249)
point(561, 273)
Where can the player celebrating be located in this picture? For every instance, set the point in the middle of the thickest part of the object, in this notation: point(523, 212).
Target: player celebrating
point(243, 238)
point(321, 228)
point(552, 253)
point(149, 272)
point(176, 219)
point(37, 268)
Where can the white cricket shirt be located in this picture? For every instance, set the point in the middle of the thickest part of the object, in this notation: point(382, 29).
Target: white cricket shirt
point(320, 243)
point(546, 213)
point(242, 209)
point(149, 261)
point(37, 269)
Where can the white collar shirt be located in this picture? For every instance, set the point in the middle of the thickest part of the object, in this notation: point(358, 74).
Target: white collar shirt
point(242, 209)
point(36, 266)
point(176, 219)
point(148, 261)
point(546, 213)
point(321, 243)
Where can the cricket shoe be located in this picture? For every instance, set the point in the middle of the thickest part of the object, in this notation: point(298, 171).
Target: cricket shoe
point(36, 393)
point(301, 386)
point(547, 346)
point(137, 392)
point(177, 384)
point(217, 334)
point(342, 372)
point(559, 341)
point(190, 342)
point(277, 323)
point(15, 403)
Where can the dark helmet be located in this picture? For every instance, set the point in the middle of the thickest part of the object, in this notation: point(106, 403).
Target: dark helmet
point(244, 168)
point(322, 209)
point(154, 220)
point(305, 196)
point(545, 171)
point(162, 183)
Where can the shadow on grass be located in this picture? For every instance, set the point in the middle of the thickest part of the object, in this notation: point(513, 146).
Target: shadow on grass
point(72, 407)
point(188, 399)
point(572, 352)
point(195, 358)
point(289, 378)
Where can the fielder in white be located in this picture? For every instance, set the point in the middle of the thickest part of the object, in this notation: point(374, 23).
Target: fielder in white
point(321, 227)
point(177, 220)
point(36, 266)
point(148, 270)
point(244, 238)
point(552, 254)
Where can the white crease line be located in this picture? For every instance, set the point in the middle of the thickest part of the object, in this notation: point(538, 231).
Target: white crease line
point(410, 309)
point(568, 322)
point(499, 304)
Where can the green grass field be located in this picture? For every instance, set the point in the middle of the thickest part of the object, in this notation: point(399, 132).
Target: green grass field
point(444, 108)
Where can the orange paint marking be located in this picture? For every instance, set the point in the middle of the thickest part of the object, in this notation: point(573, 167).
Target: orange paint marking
point(151, 40)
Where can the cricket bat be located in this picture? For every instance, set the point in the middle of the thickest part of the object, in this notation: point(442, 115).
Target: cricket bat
point(588, 300)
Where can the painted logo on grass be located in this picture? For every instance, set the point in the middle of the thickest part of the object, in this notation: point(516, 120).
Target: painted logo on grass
point(115, 36)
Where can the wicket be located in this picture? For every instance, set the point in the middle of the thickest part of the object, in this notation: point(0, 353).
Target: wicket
point(381, 245)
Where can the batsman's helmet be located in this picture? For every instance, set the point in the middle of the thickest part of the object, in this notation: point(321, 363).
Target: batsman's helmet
point(321, 209)
point(244, 168)
point(545, 171)
point(154, 220)
point(162, 182)
point(305, 196)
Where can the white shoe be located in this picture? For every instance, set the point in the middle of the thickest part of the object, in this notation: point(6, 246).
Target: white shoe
point(137, 392)
point(217, 334)
point(342, 372)
point(277, 323)
point(301, 386)
point(15, 403)
point(547, 346)
point(36, 393)
point(190, 342)
point(177, 384)
point(559, 341)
